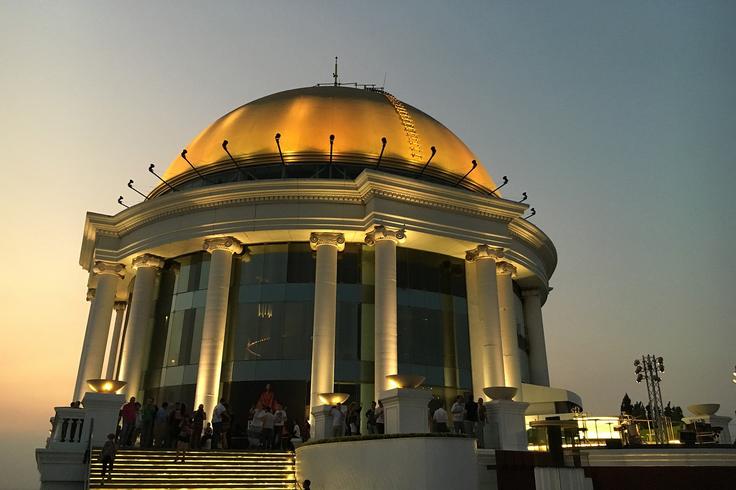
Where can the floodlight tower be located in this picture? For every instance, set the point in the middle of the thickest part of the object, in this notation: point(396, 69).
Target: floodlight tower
point(649, 368)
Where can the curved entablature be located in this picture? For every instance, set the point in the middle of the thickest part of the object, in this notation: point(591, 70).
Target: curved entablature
point(442, 220)
point(325, 132)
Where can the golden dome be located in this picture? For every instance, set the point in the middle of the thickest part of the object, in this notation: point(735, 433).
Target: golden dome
point(305, 119)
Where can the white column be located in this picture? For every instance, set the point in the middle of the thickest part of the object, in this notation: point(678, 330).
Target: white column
point(215, 317)
point(475, 330)
point(488, 319)
point(325, 308)
point(98, 324)
point(112, 355)
point(386, 335)
point(507, 317)
point(138, 331)
point(535, 335)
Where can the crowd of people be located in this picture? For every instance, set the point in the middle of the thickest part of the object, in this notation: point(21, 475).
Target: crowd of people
point(168, 426)
point(269, 425)
point(468, 417)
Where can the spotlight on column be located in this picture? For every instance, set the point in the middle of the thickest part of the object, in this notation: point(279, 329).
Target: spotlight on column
point(534, 211)
point(150, 169)
point(434, 150)
point(130, 185)
point(475, 164)
point(278, 145)
point(184, 156)
point(505, 181)
point(383, 147)
point(523, 197)
point(120, 201)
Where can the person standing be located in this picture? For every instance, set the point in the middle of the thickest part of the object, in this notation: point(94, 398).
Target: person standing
point(217, 422)
point(173, 426)
point(481, 422)
point(147, 418)
point(338, 420)
point(107, 456)
point(160, 425)
point(182, 440)
point(267, 398)
point(471, 415)
point(458, 412)
point(380, 427)
point(129, 415)
point(370, 415)
point(279, 419)
point(439, 417)
point(267, 431)
point(198, 418)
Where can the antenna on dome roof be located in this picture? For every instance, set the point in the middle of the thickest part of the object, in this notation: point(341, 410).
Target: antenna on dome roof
point(434, 150)
point(505, 181)
point(334, 75)
point(184, 156)
point(120, 201)
point(534, 211)
point(130, 184)
point(278, 145)
point(475, 164)
point(150, 169)
point(523, 197)
point(383, 147)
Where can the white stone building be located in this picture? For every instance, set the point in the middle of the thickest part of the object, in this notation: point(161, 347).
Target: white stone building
point(319, 239)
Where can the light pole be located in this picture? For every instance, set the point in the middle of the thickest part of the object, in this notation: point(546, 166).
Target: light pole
point(648, 369)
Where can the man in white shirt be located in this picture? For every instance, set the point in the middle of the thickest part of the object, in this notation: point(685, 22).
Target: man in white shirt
point(279, 419)
point(267, 433)
point(338, 420)
point(217, 422)
point(440, 419)
point(458, 413)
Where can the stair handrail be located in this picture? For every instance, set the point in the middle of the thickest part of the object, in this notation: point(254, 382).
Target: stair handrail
point(88, 454)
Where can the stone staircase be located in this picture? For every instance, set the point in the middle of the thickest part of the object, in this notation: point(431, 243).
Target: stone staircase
point(202, 469)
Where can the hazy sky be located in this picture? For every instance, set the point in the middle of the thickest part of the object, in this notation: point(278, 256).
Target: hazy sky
point(617, 118)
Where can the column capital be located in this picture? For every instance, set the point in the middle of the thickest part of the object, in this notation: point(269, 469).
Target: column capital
point(228, 243)
point(148, 260)
point(102, 267)
point(317, 239)
point(120, 305)
point(484, 252)
point(504, 268)
point(91, 294)
point(380, 232)
point(527, 293)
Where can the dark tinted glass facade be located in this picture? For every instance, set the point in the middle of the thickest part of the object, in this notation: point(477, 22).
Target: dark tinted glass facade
point(269, 326)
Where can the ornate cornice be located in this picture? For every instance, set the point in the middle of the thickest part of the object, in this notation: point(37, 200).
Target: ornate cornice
point(505, 268)
point(317, 239)
point(102, 267)
point(484, 251)
point(380, 232)
point(228, 243)
point(148, 260)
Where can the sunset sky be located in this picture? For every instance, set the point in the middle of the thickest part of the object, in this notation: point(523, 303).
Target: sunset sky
point(617, 118)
